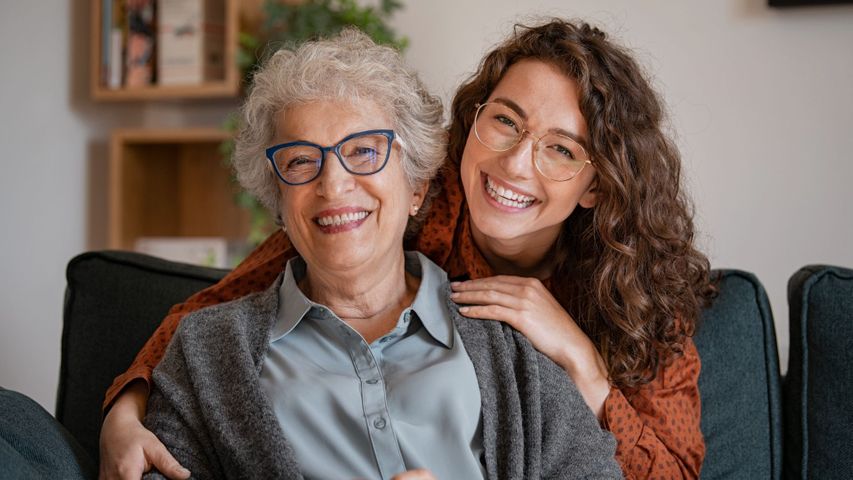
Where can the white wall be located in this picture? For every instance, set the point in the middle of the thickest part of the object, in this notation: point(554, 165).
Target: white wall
point(53, 194)
point(761, 100)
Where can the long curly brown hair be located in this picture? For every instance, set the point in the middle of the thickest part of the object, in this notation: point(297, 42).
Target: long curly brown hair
point(626, 270)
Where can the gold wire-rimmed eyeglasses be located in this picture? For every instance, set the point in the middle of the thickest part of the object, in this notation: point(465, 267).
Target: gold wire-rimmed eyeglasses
point(557, 157)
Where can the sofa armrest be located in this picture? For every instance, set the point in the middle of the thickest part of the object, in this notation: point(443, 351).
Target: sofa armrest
point(819, 384)
point(113, 303)
point(739, 382)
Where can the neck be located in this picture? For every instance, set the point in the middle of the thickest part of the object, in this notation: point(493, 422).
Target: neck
point(370, 298)
point(525, 257)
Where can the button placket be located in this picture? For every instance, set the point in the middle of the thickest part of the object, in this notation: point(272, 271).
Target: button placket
point(374, 402)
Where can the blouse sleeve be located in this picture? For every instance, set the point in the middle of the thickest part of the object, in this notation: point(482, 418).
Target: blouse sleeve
point(255, 273)
point(657, 427)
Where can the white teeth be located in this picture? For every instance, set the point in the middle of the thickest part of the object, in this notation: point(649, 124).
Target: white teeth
point(337, 220)
point(507, 197)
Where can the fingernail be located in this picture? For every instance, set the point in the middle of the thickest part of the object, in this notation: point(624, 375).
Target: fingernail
point(455, 284)
point(464, 309)
point(454, 294)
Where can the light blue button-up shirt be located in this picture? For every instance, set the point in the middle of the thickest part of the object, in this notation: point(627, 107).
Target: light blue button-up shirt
point(352, 410)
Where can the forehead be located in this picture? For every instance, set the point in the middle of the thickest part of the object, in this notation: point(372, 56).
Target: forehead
point(328, 121)
point(548, 97)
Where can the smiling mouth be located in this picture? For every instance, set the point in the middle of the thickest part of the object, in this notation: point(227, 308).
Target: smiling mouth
point(506, 196)
point(343, 219)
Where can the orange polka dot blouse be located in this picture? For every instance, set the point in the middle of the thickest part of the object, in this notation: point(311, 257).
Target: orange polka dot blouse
point(656, 427)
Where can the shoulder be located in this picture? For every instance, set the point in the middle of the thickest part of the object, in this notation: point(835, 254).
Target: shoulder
point(237, 318)
point(680, 371)
point(503, 346)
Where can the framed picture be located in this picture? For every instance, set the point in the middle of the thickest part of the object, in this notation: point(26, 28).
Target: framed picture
point(805, 3)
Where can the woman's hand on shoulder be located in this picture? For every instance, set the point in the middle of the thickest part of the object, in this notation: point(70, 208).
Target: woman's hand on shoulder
point(527, 306)
point(127, 448)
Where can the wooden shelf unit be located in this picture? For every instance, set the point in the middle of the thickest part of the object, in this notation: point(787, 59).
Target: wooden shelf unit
point(245, 13)
point(171, 183)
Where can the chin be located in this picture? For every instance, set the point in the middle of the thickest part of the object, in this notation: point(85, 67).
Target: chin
point(342, 260)
point(494, 226)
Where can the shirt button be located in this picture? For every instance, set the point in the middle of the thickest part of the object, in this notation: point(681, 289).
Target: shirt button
point(379, 423)
point(373, 381)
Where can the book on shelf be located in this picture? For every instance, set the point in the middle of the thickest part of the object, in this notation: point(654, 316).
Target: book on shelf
point(141, 31)
point(191, 41)
point(113, 21)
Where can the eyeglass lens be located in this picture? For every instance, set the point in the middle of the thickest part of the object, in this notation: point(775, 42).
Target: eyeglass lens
point(500, 128)
point(362, 155)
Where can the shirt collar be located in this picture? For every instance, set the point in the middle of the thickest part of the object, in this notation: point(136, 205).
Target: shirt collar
point(293, 305)
point(429, 304)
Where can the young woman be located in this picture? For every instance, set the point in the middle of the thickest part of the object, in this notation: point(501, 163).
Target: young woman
point(572, 228)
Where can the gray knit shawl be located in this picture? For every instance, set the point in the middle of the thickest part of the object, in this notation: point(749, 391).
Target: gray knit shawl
point(208, 408)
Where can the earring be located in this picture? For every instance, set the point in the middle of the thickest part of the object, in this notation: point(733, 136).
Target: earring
point(415, 209)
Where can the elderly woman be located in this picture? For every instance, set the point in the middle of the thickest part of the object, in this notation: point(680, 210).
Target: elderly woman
point(354, 363)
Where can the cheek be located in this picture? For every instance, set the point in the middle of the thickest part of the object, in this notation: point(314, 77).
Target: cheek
point(391, 184)
point(468, 169)
point(564, 201)
point(470, 154)
point(288, 205)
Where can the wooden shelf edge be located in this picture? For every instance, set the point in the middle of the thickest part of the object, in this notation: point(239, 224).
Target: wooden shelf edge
point(169, 135)
point(170, 92)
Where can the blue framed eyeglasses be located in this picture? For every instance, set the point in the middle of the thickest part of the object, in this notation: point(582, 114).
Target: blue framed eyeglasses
point(360, 153)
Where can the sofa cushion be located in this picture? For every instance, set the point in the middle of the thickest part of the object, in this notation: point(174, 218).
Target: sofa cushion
point(819, 384)
point(739, 382)
point(34, 445)
point(113, 303)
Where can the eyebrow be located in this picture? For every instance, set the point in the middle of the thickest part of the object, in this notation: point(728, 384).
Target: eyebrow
point(521, 113)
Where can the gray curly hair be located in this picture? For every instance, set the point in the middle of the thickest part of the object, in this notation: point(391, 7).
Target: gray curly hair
point(350, 67)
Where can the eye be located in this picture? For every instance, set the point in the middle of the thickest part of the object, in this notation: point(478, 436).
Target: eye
point(365, 152)
point(302, 161)
point(506, 121)
point(563, 151)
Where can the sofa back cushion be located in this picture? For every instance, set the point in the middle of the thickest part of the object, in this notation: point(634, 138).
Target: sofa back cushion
point(113, 303)
point(819, 384)
point(739, 383)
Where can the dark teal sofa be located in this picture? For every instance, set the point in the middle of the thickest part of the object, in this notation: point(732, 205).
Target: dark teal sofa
point(115, 300)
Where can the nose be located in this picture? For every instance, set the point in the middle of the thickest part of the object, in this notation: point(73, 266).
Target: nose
point(334, 180)
point(517, 162)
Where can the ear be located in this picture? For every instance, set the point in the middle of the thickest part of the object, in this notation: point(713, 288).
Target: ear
point(590, 197)
point(418, 197)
